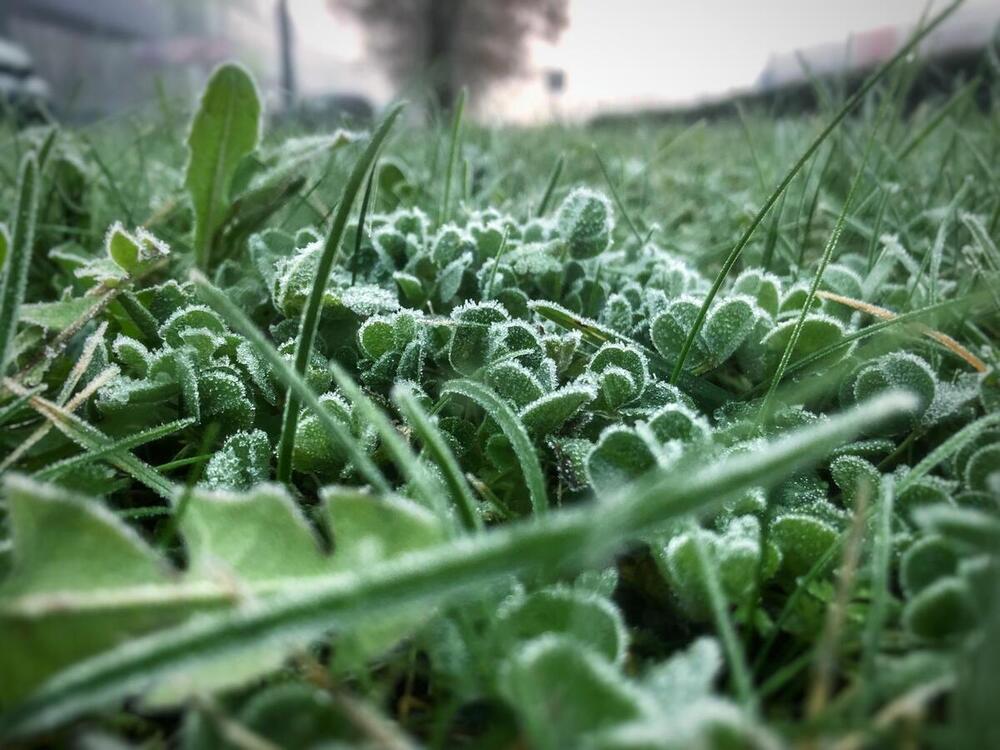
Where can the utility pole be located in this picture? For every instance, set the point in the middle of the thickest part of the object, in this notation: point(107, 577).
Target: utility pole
point(286, 49)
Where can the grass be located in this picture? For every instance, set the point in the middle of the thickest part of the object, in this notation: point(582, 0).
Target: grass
point(480, 461)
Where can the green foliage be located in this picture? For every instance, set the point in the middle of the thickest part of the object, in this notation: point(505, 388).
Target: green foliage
point(76, 603)
point(585, 222)
point(478, 464)
point(224, 131)
point(17, 251)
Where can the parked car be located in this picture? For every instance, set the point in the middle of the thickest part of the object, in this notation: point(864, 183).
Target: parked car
point(22, 93)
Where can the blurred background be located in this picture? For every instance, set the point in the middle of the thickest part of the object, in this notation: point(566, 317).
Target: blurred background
point(522, 61)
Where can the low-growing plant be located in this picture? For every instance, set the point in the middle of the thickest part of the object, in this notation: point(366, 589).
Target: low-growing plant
point(490, 458)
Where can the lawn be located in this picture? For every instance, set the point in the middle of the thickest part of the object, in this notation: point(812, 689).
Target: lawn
point(640, 436)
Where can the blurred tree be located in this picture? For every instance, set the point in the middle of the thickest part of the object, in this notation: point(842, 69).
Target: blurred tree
point(455, 43)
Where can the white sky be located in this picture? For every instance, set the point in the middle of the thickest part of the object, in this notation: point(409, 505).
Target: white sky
point(633, 53)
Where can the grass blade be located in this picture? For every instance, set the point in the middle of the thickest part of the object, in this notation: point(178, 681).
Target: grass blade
point(310, 315)
point(456, 134)
point(15, 276)
point(90, 438)
point(880, 571)
point(425, 485)
point(362, 218)
point(437, 447)
point(618, 200)
point(426, 578)
point(119, 446)
point(550, 187)
point(735, 655)
point(849, 106)
point(831, 245)
point(514, 431)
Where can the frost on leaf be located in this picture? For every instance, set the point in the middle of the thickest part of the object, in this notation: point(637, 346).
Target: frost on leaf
point(620, 457)
point(564, 691)
point(470, 343)
point(242, 462)
point(592, 620)
point(585, 221)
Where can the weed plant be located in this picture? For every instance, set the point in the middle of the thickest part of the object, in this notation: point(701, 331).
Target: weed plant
point(634, 437)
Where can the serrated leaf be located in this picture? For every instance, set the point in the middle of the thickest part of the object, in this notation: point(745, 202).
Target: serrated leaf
point(83, 581)
point(346, 600)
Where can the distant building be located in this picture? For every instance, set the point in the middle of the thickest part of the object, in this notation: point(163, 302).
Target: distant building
point(959, 39)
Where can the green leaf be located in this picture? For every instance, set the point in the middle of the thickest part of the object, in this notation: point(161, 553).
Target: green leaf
point(585, 221)
point(122, 248)
point(926, 561)
point(942, 610)
point(764, 287)
point(670, 329)
point(471, 341)
point(515, 382)
point(57, 316)
point(549, 412)
point(678, 422)
point(63, 542)
point(802, 540)
point(620, 457)
point(582, 616)
point(982, 472)
point(82, 581)
point(624, 358)
point(223, 536)
point(243, 461)
point(898, 371)
point(349, 599)
point(817, 332)
point(311, 313)
point(21, 244)
point(513, 430)
point(563, 691)
point(686, 677)
point(726, 327)
point(225, 129)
